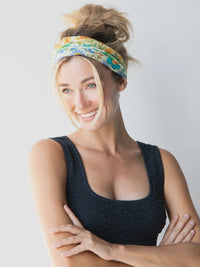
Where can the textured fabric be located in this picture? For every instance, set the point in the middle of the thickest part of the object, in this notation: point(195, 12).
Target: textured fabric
point(82, 45)
point(117, 221)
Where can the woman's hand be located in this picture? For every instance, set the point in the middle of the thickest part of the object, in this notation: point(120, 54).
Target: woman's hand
point(179, 231)
point(73, 217)
point(84, 239)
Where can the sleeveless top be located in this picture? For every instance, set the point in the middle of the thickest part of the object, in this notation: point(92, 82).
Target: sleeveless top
point(117, 221)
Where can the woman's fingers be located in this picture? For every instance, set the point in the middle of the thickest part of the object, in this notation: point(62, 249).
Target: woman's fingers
point(73, 217)
point(178, 228)
point(74, 251)
point(186, 231)
point(66, 228)
point(170, 227)
point(189, 236)
point(70, 240)
point(83, 238)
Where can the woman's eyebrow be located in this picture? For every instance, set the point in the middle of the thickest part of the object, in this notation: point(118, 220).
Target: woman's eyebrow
point(83, 81)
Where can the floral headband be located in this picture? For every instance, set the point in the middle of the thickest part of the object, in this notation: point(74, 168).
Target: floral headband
point(82, 45)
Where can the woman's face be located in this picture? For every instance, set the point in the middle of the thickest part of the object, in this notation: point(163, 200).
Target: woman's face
point(80, 94)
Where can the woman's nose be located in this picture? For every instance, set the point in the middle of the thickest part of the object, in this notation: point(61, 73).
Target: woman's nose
point(81, 101)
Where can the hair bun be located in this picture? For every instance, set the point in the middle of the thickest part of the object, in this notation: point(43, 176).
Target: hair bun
point(101, 19)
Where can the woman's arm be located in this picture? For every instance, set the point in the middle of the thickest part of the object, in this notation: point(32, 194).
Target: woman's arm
point(178, 201)
point(177, 255)
point(48, 174)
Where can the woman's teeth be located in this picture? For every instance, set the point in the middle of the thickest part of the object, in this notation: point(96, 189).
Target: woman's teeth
point(90, 114)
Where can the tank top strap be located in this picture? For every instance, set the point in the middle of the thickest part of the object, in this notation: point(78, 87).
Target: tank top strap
point(69, 153)
point(154, 166)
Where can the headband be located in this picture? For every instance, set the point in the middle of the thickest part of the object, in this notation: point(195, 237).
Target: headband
point(82, 45)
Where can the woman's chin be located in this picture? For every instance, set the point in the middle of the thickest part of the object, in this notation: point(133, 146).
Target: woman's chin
point(90, 126)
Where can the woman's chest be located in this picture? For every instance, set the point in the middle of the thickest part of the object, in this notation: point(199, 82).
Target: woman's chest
point(119, 178)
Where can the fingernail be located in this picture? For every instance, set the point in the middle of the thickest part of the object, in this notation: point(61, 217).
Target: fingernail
point(175, 216)
point(192, 231)
point(64, 254)
point(186, 215)
point(192, 222)
point(66, 209)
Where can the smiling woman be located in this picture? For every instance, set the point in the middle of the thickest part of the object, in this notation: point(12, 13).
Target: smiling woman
point(83, 100)
point(101, 196)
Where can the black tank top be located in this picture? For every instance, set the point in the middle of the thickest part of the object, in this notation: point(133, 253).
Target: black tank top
point(117, 221)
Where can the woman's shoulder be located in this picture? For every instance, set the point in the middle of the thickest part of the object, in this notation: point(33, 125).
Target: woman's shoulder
point(46, 146)
point(169, 161)
point(47, 154)
point(168, 158)
point(165, 153)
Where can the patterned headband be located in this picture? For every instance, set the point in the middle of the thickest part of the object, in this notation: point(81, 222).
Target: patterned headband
point(82, 45)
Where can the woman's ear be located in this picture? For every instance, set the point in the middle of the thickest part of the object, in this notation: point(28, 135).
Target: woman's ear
point(122, 84)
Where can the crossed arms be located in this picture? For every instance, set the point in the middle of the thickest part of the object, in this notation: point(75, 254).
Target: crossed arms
point(48, 174)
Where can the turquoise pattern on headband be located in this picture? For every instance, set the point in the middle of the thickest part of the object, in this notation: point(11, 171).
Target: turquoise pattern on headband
point(86, 46)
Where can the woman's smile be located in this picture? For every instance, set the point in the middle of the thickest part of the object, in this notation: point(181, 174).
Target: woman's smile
point(88, 116)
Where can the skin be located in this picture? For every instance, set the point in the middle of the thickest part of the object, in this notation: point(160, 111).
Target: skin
point(107, 134)
point(100, 142)
point(104, 249)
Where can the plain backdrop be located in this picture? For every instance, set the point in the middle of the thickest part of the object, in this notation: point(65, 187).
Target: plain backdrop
point(160, 105)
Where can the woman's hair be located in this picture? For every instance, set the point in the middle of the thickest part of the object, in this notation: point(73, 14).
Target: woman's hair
point(108, 26)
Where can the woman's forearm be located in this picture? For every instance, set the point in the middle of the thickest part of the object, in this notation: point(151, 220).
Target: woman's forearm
point(89, 259)
point(86, 259)
point(184, 254)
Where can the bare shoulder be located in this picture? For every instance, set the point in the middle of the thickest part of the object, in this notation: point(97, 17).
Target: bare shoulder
point(47, 153)
point(167, 156)
point(46, 146)
point(173, 174)
point(47, 170)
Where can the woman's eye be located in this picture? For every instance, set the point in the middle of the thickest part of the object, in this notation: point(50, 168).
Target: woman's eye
point(91, 85)
point(67, 91)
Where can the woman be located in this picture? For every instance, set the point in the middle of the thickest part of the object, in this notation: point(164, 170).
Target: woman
point(111, 207)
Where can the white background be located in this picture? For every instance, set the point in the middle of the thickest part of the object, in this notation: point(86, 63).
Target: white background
point(160, 105)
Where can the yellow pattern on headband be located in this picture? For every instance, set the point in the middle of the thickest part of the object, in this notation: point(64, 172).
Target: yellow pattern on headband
point(86, 46)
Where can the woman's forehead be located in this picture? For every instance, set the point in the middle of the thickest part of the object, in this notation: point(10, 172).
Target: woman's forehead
point(76, 65)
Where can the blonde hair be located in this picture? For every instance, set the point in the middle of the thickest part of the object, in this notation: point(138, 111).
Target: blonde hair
point(108, 26)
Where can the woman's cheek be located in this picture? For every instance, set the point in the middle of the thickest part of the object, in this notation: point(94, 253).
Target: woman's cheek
point(96, 97)
point(68, 100)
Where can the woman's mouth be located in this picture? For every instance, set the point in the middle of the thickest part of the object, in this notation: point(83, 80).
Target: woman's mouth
point(88, 116)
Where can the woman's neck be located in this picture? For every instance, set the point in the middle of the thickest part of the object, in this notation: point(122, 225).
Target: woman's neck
point(112, 138)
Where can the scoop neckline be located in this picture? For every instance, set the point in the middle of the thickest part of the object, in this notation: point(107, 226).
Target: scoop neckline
point(83, 172)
